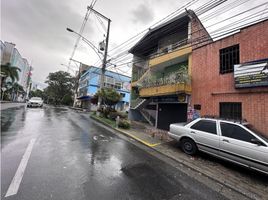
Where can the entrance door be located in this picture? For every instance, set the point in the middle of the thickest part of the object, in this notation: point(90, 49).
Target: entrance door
point(171, 113)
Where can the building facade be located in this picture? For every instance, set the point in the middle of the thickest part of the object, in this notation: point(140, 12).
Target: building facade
point(161, 73)
point(89, 83)
point(230, 77)
point(11, 55)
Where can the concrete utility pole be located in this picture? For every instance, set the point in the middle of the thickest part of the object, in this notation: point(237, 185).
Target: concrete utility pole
point(105, 53)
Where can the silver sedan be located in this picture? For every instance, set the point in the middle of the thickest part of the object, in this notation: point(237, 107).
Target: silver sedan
point(232, 141)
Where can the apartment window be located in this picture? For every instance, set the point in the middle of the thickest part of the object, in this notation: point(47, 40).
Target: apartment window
point(111, 82)
point(118, 85)
point(228, 58)
point(231, 110)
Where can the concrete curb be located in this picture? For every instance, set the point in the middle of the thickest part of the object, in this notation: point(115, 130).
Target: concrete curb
point(125, 133)
point(243, 193)
point(79, 109)
point(10, 102)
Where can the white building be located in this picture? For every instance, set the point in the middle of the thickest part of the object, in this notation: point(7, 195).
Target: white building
point(9, 54)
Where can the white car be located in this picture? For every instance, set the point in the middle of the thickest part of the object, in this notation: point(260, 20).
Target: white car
point(232, 141)
point(35, 102)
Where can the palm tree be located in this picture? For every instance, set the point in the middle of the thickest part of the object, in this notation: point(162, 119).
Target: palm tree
point(14, 90)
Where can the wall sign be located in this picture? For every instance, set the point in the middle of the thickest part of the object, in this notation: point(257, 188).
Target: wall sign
point(251, 74)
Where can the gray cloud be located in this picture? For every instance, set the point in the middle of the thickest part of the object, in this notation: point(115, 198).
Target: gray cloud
point(41, 22)
point(142, 14)
point(39, 30)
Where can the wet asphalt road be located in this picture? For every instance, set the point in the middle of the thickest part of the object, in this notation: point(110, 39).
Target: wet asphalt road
point(73, 158)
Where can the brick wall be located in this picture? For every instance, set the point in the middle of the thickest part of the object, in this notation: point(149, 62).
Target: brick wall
point(199, 35)
point(209, 87)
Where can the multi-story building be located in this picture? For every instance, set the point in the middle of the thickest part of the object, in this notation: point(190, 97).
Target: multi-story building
point(2, 47)
point(161, 73)
point(11, 55)
point(89, 83)
point(230, 77)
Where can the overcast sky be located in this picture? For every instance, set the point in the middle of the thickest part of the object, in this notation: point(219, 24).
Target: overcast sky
point(38, 27)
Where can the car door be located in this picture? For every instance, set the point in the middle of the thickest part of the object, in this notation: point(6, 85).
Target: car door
point(205, 133)
point(236, 145)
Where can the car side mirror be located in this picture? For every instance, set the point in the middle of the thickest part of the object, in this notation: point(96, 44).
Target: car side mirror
point(256, 141)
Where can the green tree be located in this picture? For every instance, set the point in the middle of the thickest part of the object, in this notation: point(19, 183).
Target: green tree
point(13, 91)
point(36, 93)
point(109, 96)
point(60, 87)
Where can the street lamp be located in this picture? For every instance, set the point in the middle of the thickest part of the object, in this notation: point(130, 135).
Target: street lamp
point(96, 50)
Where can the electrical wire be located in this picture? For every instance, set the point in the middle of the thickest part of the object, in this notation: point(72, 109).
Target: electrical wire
point(232, 17)
point(82, 28)
point(222, 10)
point(217, 35)
point(156, 23)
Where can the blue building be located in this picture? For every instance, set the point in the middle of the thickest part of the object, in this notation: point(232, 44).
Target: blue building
point(89, 83)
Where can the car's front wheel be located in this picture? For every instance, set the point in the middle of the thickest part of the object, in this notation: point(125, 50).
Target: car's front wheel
point(188, 146)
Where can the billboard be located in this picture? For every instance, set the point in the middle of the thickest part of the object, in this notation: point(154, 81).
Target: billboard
point(253, 74)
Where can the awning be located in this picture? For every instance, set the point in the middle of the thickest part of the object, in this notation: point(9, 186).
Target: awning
point(84, 98)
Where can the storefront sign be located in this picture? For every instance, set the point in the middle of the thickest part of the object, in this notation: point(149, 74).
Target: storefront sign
point(251, 75)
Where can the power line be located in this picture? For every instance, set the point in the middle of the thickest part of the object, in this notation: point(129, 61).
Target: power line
point(208, 6)
point(201, 41)
point(217, 35)
point(161, 20)
point(221, 21)
point(82, 28)
point(225, 8)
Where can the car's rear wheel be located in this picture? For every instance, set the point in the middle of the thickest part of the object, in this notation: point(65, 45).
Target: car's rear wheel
point(188, 146)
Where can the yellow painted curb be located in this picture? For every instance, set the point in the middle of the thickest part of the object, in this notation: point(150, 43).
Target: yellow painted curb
point(138, 139)
point(126, 133)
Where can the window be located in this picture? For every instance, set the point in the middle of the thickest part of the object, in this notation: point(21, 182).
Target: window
point(231, 110)
point(118, 85)
point(123, 95)
point(206, 126)
point(235, 132)
point(111, 82)
point(228, 58)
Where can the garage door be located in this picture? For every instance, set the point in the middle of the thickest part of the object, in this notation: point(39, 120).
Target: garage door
point(171, 113)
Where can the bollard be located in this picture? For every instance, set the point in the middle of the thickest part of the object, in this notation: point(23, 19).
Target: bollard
point(117, 121)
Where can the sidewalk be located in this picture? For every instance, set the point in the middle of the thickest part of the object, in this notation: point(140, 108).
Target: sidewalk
point(246, 182)
point(6, 105)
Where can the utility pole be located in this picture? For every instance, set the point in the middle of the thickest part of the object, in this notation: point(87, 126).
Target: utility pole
point(77, 78)
point(105, 53)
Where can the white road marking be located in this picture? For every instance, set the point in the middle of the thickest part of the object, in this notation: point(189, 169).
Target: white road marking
point(15, 183)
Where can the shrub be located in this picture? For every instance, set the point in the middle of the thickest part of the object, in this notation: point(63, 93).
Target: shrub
point(124, 124)
point(112, 115)
point(123, 115)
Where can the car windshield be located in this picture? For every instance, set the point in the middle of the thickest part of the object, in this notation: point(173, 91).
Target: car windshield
point(253, 129)
point(36, 98)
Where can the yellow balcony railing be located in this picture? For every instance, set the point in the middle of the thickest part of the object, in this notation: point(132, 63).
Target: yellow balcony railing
point(165, 90)
point(184, 50)
point(171, 84)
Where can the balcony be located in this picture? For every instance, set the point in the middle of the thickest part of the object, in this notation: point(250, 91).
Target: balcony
point(177, 82)
point(171, 56)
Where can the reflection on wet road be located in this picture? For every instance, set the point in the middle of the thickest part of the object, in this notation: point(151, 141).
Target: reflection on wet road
point(73, 158)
